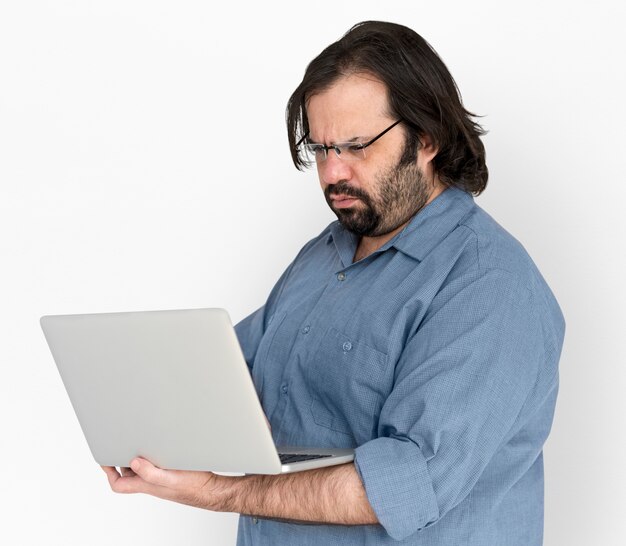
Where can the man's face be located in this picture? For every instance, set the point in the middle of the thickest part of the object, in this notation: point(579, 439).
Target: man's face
point(379, 194)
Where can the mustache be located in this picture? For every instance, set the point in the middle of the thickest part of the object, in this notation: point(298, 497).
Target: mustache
point(343, 188)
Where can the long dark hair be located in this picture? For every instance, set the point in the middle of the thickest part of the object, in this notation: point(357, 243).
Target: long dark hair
point(421, 92)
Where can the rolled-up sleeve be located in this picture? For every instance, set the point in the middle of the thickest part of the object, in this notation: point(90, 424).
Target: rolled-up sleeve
point(460, 387)
point(398, 485)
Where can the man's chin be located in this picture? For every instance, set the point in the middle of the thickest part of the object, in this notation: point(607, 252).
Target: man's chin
point(353, 225)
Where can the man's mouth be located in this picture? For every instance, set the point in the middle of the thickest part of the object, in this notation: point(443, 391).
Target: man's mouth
point(341, 201)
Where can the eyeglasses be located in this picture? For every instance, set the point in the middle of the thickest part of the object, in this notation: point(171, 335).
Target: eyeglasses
point(347, 151)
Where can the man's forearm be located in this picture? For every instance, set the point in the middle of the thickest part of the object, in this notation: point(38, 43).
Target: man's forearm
point(327, 495)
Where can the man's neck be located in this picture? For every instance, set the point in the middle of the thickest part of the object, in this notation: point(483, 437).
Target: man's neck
point(369, 245)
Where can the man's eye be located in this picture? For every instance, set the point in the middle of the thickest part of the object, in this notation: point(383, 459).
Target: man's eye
point(355, 147)
point(315, 148)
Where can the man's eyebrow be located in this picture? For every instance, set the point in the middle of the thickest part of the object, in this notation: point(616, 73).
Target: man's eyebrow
point(309, 140)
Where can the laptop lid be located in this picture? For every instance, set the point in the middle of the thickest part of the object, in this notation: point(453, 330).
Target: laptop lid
point(170, 386)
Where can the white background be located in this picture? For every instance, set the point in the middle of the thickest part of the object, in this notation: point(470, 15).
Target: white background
point(144, 165)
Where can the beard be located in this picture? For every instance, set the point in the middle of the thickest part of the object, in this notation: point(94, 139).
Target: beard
point(402, 192)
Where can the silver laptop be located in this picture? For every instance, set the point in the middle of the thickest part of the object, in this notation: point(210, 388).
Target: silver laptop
point(173, 387)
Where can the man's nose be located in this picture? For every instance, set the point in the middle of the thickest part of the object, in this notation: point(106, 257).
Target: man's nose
point(333, 169)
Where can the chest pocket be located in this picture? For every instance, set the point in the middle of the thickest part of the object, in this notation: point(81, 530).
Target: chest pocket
point(349, 382)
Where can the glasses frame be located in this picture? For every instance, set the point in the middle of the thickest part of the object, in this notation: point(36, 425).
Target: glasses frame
point(357, 146)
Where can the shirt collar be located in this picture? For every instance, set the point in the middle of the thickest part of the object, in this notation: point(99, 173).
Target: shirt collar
point(424, 232)
point(345, 242)
point(433, 223)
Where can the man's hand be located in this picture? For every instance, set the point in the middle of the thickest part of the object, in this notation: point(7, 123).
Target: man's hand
point(198, 489)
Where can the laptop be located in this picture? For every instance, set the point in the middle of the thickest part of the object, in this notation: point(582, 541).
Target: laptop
point(172, 387)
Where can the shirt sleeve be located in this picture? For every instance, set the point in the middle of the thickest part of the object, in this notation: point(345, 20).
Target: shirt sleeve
point(459, 390)
point(251, 329)
point(249, 332)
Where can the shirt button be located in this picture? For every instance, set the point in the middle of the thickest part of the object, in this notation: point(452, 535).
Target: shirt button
point(347, 346)
point(306, 329)
point(284, 389)
point(255, 520)
point(341, 276)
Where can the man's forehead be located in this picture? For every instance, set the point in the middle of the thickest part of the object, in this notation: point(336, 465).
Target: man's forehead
point(349, 109)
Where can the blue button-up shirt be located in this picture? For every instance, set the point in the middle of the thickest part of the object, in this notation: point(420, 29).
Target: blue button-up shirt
point(436, 357)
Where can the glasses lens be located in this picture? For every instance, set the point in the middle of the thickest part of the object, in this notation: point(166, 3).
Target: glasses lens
point(348, 151)
point(314, 152)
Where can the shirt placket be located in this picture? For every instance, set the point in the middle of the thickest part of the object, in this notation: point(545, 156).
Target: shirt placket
point(307, 338)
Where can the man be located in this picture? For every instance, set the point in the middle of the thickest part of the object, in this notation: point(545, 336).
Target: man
point(414, 329)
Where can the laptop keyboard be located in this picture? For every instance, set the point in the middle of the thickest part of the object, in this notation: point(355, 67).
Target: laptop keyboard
point(286, 458)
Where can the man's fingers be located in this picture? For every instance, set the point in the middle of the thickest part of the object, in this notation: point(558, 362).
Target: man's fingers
point(115, 479)
point(149, 473)
point(112, 474)
point(124, 483)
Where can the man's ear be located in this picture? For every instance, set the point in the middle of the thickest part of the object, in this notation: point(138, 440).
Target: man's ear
point(427, 150)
